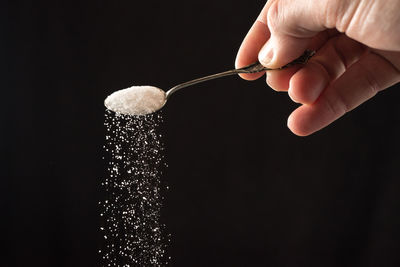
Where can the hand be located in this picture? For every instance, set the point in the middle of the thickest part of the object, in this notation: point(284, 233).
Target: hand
point(358, 54)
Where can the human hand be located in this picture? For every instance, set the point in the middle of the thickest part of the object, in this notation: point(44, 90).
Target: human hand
point(358, 54)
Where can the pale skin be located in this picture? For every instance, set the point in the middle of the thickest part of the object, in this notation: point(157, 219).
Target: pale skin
point(358, 54)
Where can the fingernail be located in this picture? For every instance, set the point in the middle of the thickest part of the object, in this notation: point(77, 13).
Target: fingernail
point(266, 54)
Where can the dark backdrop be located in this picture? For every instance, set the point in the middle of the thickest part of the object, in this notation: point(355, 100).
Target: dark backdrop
point(244, 191)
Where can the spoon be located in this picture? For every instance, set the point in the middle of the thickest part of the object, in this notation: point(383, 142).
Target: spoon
point(142, 100)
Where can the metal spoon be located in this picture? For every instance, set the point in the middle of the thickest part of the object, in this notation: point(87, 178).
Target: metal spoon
point(142, 100)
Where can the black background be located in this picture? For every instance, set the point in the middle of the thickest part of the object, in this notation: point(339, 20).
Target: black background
point(244, 191)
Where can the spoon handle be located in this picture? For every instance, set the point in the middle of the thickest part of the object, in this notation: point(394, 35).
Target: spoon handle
point(252, 68)
point(258, 67)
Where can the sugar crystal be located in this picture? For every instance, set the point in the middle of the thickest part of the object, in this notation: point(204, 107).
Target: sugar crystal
point(136, 100)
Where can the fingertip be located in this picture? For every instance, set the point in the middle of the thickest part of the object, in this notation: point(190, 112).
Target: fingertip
point(292, 94)
point(293, 127)
point(300, 92)
point(279, 80)
point(251, 76)
point(297, 123)
point(245, 76)
point(307, 84)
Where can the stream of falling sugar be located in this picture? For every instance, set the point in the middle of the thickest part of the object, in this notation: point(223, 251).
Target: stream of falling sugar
point(131, 228)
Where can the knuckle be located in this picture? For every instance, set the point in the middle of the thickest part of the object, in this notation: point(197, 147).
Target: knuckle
point(374, 23)
point(342, 14)
point(337, 106)
point(286, 17)
point(273, 16)
point(330, 13)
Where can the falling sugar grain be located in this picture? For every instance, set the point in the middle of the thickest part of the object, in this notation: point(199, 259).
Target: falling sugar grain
point(132, 231)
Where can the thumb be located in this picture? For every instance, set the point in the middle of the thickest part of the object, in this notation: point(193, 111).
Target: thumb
point(292, 25)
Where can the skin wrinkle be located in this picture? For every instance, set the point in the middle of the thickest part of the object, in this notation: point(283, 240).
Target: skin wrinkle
point(363, 19)
point(277, 22)
point(345, 12)
point(356, 53)
point(366, 17)
point(330, 13)
point(372, 84)
point(375, 15)
point(337, 106)
point(339, 54)
point(340, 105)
point(347, 57)
point(392, 15)
point(334, 71)
point(321, 66)
point(273, 19)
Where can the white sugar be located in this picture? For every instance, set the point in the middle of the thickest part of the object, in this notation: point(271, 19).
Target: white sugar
point(131, 225)
point(136, 100)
